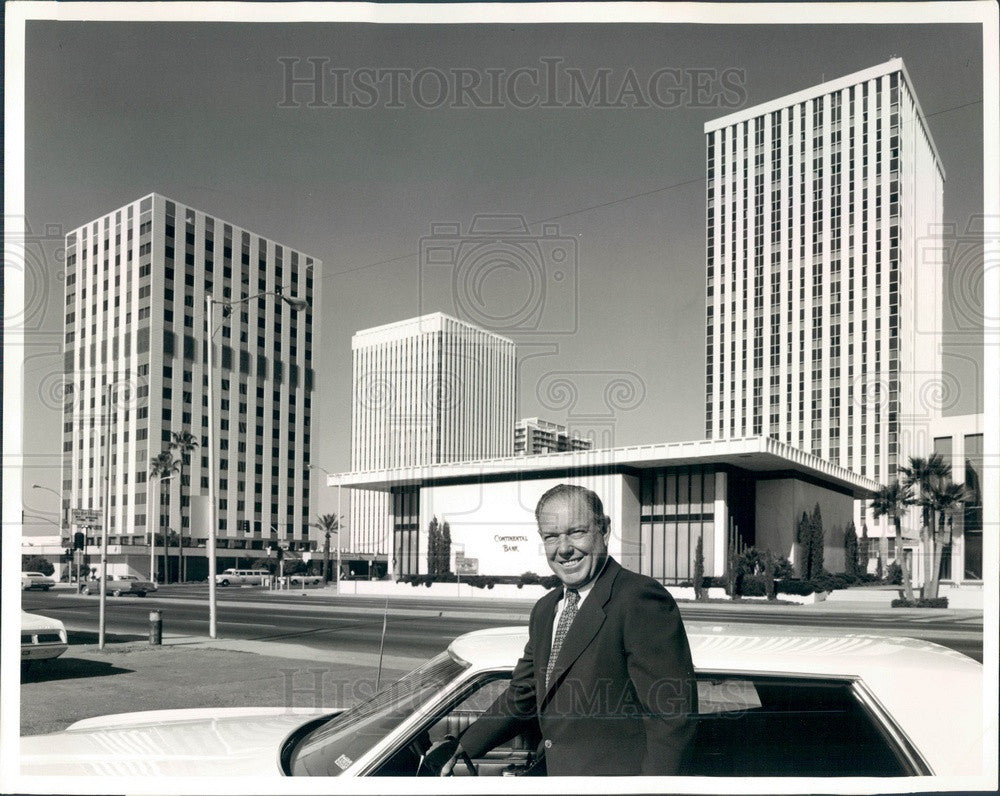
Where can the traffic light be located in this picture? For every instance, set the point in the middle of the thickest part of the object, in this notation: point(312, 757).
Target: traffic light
point(281, 552)
point(78, 540)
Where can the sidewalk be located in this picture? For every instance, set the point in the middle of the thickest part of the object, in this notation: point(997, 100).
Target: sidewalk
point(134, 676)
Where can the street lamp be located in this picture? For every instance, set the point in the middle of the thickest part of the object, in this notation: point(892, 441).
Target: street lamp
point(227, 307)
point(339, 522)
point(65, 527)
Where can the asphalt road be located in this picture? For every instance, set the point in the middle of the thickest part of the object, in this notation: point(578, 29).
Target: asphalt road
point(420, 627)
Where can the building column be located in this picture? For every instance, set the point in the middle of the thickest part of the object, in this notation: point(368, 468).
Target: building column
point(721, 524)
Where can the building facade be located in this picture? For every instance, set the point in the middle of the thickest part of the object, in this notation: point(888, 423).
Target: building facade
point(661, 499)
point(135, 336)
point(427, 390)
point(824, 301)
point(533, 435)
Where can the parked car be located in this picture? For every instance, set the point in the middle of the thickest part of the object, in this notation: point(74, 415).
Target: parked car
point(242, 577)
point(770, 704)
point(41, 638)
point(118, 585)
point(36, 580)
point(306, 579)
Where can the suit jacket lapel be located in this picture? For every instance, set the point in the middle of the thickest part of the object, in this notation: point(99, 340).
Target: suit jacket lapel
point(583, 629)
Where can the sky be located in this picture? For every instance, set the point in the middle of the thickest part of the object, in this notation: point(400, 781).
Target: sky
point(195, 111)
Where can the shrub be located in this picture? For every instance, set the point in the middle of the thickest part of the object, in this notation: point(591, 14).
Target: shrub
point(699, 570)
point(894, 574)
point(801, 588)
point(769, 567)
point(37, 564)
point(937, 602)
point(753, 586)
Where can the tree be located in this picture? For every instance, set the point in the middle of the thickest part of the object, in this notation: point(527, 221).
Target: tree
point(803, 541)
point(893, 501)
point(37, 564)
point(328, 524)
point(945, 498)
point(699, 569)
point(184, 442)
point(445, 548)
point(851, 550)
point(161, 467)
point(433, 547)
point(924, 474)
point(817, 541)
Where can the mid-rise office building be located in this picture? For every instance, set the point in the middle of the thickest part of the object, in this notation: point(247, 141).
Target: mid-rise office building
point(824, 300)
point(136, 285)
point(428, 390)
point(533, 435)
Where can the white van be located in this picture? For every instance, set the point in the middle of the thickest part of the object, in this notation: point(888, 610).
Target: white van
point(242, 577)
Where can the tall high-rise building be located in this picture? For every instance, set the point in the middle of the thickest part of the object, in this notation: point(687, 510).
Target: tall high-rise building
point(427, 390)
point(824, 210)
point(136, 286)
point(533, 435)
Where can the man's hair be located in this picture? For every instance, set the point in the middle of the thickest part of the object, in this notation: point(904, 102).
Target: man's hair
point(589, 497)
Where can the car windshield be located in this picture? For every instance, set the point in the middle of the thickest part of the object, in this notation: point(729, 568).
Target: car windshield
point(333, 747)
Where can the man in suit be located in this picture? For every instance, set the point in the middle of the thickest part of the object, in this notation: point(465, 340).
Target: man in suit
point(606, 674)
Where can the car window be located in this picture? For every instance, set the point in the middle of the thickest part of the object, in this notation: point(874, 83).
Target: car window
point(334, 746)
point(771, 726)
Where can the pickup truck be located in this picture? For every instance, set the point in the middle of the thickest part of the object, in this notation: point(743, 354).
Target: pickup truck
point(118, 585)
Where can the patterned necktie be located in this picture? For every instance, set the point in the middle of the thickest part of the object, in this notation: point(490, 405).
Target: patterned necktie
point(565, 620)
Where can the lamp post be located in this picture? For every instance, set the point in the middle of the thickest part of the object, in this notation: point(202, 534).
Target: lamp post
point(339, 517)
point(213, 523)
point(152, 531)
point(63, 524)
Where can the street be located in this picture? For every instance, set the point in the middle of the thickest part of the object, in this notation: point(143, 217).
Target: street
point(420, 627)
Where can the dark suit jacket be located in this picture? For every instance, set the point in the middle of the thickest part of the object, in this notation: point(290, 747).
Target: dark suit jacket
point(622, 699)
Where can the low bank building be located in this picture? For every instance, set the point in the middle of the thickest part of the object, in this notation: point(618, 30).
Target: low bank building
point(660, 498)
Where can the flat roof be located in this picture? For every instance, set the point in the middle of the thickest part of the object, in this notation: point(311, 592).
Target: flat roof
point(837, 84)
point(755, 454)
point(421, 324)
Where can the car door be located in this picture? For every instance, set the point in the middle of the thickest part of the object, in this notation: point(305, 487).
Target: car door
point(451, 719)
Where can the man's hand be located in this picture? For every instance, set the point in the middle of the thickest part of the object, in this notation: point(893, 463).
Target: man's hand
point(459, 754)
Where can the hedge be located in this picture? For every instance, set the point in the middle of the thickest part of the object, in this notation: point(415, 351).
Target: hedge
point(937, 602)
point(483, 581)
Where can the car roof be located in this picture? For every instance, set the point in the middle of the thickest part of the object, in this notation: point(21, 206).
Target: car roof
point(900, 672)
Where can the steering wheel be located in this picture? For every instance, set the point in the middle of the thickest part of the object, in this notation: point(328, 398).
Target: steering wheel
point(433, 761)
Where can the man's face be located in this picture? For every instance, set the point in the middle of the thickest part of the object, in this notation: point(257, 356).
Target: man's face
point(576, 543)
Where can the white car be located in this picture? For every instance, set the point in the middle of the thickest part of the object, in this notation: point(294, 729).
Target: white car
point(36, 580)
point(41, 638)
point(306, 579)
point(242, 577)
point(118, 585)
point(771, 703)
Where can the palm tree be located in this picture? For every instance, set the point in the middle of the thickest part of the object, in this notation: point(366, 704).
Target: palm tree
point(184, 442)
point(925, 475)
point(893, 501)
point(328, 524)
point(162, 466)
point(945, 498)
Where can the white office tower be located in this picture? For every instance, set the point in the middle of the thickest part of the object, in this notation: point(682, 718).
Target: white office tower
point(427, 390)
point(824, 213)
point(136, 284)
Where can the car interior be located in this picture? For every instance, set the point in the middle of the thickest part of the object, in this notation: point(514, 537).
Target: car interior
point(747, 726)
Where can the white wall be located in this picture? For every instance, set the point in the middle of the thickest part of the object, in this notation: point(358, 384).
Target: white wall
point(495, 522)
